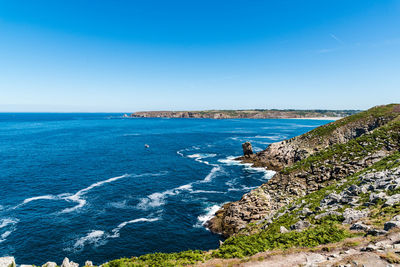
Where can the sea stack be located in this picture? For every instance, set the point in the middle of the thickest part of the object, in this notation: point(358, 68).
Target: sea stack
point(247, 149)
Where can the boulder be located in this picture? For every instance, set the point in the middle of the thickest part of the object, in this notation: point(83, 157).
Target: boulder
point(300, 225)
point(283, 230)
point(50, 264)
point(360, 227)
point(247, 149)
point(88, 263)
point(376, 197)
point(391, 200)
point(351, 215)
point(7, 261)
point(376, 232)
point(67, 263)
point(328, 213)
point(391, 224)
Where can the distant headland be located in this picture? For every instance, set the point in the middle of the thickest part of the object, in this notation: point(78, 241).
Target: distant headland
point(249, 114)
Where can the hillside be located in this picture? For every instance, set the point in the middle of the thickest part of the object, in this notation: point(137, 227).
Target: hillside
point(247, 114)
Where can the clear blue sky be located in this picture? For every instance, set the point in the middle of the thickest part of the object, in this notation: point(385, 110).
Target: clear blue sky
point(123, 56)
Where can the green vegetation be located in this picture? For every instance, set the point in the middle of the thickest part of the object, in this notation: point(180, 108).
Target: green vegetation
point(386, 113)
point(162, 259)
point(242, 246)
point(360, 147)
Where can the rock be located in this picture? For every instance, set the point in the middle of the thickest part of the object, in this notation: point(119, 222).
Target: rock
point(328, 213)
point(360, 227)
point(370, 247)
point(376, 232)
point(283, 230)
point(67, 263)
point(88, 263)
point(391, 200)
point(50, 264)
point(351, 215)
point(376, 197)
point(7, 261)
point(391, 224)
point(300, 225)
point(26, 265)
point(247, 149)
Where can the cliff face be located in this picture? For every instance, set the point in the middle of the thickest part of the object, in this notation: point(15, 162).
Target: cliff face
point(312, 161)
point(249, 114)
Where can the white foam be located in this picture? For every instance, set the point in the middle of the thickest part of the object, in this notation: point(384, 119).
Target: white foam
point(77, 197)
point(212, 174)
point(267, 173)
point(10, 225)
point(115, 231)
point(4, 236)
point(94, 237)
point(243, 188)
point(158, 199)
point(209, 213)
point(230, 160)
point(7, 221)
point(206, 192)
point(99, 237)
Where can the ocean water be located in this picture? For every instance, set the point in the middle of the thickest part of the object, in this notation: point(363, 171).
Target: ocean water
point(84, 186)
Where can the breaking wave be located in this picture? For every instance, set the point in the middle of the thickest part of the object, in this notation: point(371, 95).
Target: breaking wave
point(78, 196)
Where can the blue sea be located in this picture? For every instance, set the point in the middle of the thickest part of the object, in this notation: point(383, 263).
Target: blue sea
point(84, 186)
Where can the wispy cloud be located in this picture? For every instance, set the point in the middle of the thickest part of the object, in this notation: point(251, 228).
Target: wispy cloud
point(337, 39)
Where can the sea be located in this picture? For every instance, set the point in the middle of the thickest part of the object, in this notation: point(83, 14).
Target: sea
point(100, 186)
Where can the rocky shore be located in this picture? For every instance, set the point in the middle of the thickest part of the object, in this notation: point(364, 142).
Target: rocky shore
point(312, 161)
point(10, 262)
point(334, 201)
point(248, 114)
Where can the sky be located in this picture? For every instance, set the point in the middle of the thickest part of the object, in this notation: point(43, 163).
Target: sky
point(126, 56)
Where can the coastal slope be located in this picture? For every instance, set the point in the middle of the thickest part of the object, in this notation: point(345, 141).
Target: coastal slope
point(312, 161)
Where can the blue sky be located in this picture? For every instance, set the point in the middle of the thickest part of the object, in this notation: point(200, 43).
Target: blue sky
point(124, 56)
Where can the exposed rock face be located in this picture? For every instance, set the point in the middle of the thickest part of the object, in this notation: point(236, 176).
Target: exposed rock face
point(285, 153)
point(7, 261)
point(247, 149)
point(67, 263)
point(249, 114)
point(335, 163)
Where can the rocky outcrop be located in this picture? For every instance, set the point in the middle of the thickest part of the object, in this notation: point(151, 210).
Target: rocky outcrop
point(313, 162)
point(285, 153)
point(10, 262)
point(7, 262)
point(247, 149)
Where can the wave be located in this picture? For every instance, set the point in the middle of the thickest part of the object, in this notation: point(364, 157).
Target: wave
point(248, 166)
point(212, 174)
point(94, 237)
point(8, 221)
point(242, 188)
point(77, 197)
point(209, 213)
point(158, 199)
point(10, 224)
point(206, 192)
point(199, 158)
point(116, 230)
point(99, 237)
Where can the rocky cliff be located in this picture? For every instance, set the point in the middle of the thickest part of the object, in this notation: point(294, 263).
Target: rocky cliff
point(312, 161)
point(248, 114)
